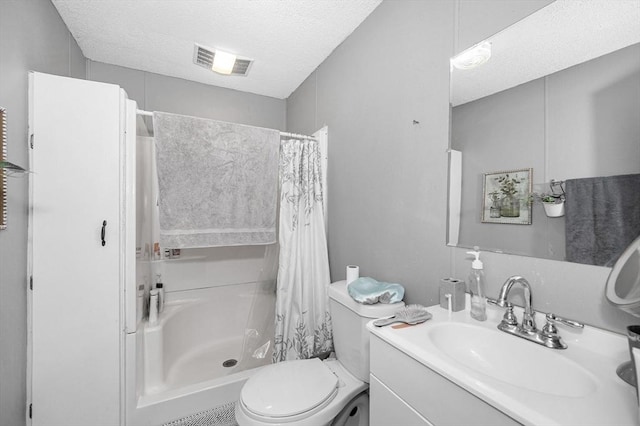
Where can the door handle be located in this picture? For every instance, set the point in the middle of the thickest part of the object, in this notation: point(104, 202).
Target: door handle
point(102, 233)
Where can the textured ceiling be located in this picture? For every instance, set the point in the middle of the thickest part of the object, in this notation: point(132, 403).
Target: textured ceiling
point(558, 36)
point(287, 39)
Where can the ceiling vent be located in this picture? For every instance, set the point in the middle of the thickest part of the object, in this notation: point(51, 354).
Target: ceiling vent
point(203, 56)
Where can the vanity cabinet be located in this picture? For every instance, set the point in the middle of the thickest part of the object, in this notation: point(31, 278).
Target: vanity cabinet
point(404, 391)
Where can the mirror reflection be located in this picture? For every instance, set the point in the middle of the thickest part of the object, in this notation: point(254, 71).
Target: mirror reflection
point(560, 95)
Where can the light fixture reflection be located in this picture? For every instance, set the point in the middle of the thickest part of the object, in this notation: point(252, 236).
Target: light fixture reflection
point(472, 57)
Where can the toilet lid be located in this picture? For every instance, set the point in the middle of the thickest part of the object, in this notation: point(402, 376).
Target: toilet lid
point(289, 388)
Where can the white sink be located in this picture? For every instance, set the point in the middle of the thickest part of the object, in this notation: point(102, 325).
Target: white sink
point(512, 360)
point(531, 383)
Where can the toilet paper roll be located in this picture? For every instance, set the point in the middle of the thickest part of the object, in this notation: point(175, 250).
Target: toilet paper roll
point(353, 273)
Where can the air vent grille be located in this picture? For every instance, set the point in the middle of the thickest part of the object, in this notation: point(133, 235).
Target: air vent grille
point(204, 57)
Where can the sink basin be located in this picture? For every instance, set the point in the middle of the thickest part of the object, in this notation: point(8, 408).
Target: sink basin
point(512, 360)
point(532, 384)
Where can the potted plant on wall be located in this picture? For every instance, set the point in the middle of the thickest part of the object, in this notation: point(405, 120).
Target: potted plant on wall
point(553, 203)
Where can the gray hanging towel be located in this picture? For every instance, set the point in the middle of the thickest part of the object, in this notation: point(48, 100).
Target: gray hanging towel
point(602, 218)
point(217, 182)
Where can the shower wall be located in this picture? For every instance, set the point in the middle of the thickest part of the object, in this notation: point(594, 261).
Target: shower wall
point(220, 308)
point(210, 267)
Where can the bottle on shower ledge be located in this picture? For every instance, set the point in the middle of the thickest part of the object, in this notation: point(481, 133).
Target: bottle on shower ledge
point(153, 307)
point(160, 288)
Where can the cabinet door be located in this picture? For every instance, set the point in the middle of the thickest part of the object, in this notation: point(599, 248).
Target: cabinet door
point(386, 408)
point(75, 301)
point(431, 395)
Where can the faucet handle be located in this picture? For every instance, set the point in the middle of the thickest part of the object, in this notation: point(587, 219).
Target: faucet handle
point(502, 304)
point(553, 319)
point(509, 318)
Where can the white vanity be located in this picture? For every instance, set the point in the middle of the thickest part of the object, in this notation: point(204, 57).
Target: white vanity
point(457, 371)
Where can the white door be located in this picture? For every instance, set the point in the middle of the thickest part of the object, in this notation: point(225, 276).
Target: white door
point(76, 329)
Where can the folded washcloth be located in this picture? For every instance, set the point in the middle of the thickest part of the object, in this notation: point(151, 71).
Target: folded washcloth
point(368, 291)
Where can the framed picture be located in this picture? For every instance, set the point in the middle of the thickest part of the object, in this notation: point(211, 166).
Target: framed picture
point(505, 197)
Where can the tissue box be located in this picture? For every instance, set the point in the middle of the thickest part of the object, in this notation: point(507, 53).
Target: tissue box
point(456, 288)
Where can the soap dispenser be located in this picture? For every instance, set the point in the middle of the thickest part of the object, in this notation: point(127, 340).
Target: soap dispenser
point(477, 288)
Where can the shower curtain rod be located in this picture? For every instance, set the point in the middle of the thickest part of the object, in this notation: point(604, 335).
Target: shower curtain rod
point(143, 112)
point(296, 135)
point(282, 134)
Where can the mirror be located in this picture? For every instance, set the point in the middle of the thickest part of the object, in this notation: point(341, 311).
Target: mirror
point(3, 171)
point(560, 95)
point(623, 284)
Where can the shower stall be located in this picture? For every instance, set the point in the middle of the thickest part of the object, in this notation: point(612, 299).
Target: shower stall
point(93, 356)
point(218, 318)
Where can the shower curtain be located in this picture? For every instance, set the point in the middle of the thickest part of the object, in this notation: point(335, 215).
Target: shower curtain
point(303, 322)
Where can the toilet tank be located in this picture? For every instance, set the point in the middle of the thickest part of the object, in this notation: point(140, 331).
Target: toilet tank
point(350, 336)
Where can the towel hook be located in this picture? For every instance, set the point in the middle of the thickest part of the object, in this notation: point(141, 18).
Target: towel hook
point(557, 183)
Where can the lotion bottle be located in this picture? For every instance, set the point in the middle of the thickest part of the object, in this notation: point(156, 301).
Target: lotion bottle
point(477, 288)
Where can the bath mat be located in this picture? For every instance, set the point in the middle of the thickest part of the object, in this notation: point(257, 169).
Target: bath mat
point(223, 415)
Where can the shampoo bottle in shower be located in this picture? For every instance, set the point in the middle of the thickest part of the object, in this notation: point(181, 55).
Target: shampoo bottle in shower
point(160, 288)
point(477, 288)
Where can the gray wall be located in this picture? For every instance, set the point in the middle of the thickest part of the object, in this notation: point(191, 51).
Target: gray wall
point(580, 122)
point(32, 37)
point(155, 92)
point(571, 290)
point(387, 177)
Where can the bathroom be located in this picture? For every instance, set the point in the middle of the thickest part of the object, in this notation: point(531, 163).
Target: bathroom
point(395, 119)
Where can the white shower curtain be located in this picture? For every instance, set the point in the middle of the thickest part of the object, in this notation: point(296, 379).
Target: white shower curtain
point(303, 322)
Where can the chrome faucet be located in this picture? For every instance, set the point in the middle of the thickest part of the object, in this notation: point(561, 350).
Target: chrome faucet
point(528, 319)
point(548, 336)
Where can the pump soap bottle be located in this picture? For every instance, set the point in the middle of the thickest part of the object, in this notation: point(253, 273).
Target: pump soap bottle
point(477, 288)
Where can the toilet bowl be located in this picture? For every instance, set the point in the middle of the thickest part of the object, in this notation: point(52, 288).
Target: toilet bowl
point(623, 284)
point(312, 392)
point(306, 392)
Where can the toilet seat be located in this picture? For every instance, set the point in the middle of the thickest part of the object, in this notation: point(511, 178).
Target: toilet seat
point(289, 391)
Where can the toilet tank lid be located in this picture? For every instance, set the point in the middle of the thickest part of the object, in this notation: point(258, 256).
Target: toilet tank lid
point(338, 292)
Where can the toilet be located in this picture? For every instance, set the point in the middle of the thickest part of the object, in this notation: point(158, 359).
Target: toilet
point(311, 392)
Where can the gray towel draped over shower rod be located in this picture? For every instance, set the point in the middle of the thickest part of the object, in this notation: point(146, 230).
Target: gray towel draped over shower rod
point(282, 134)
